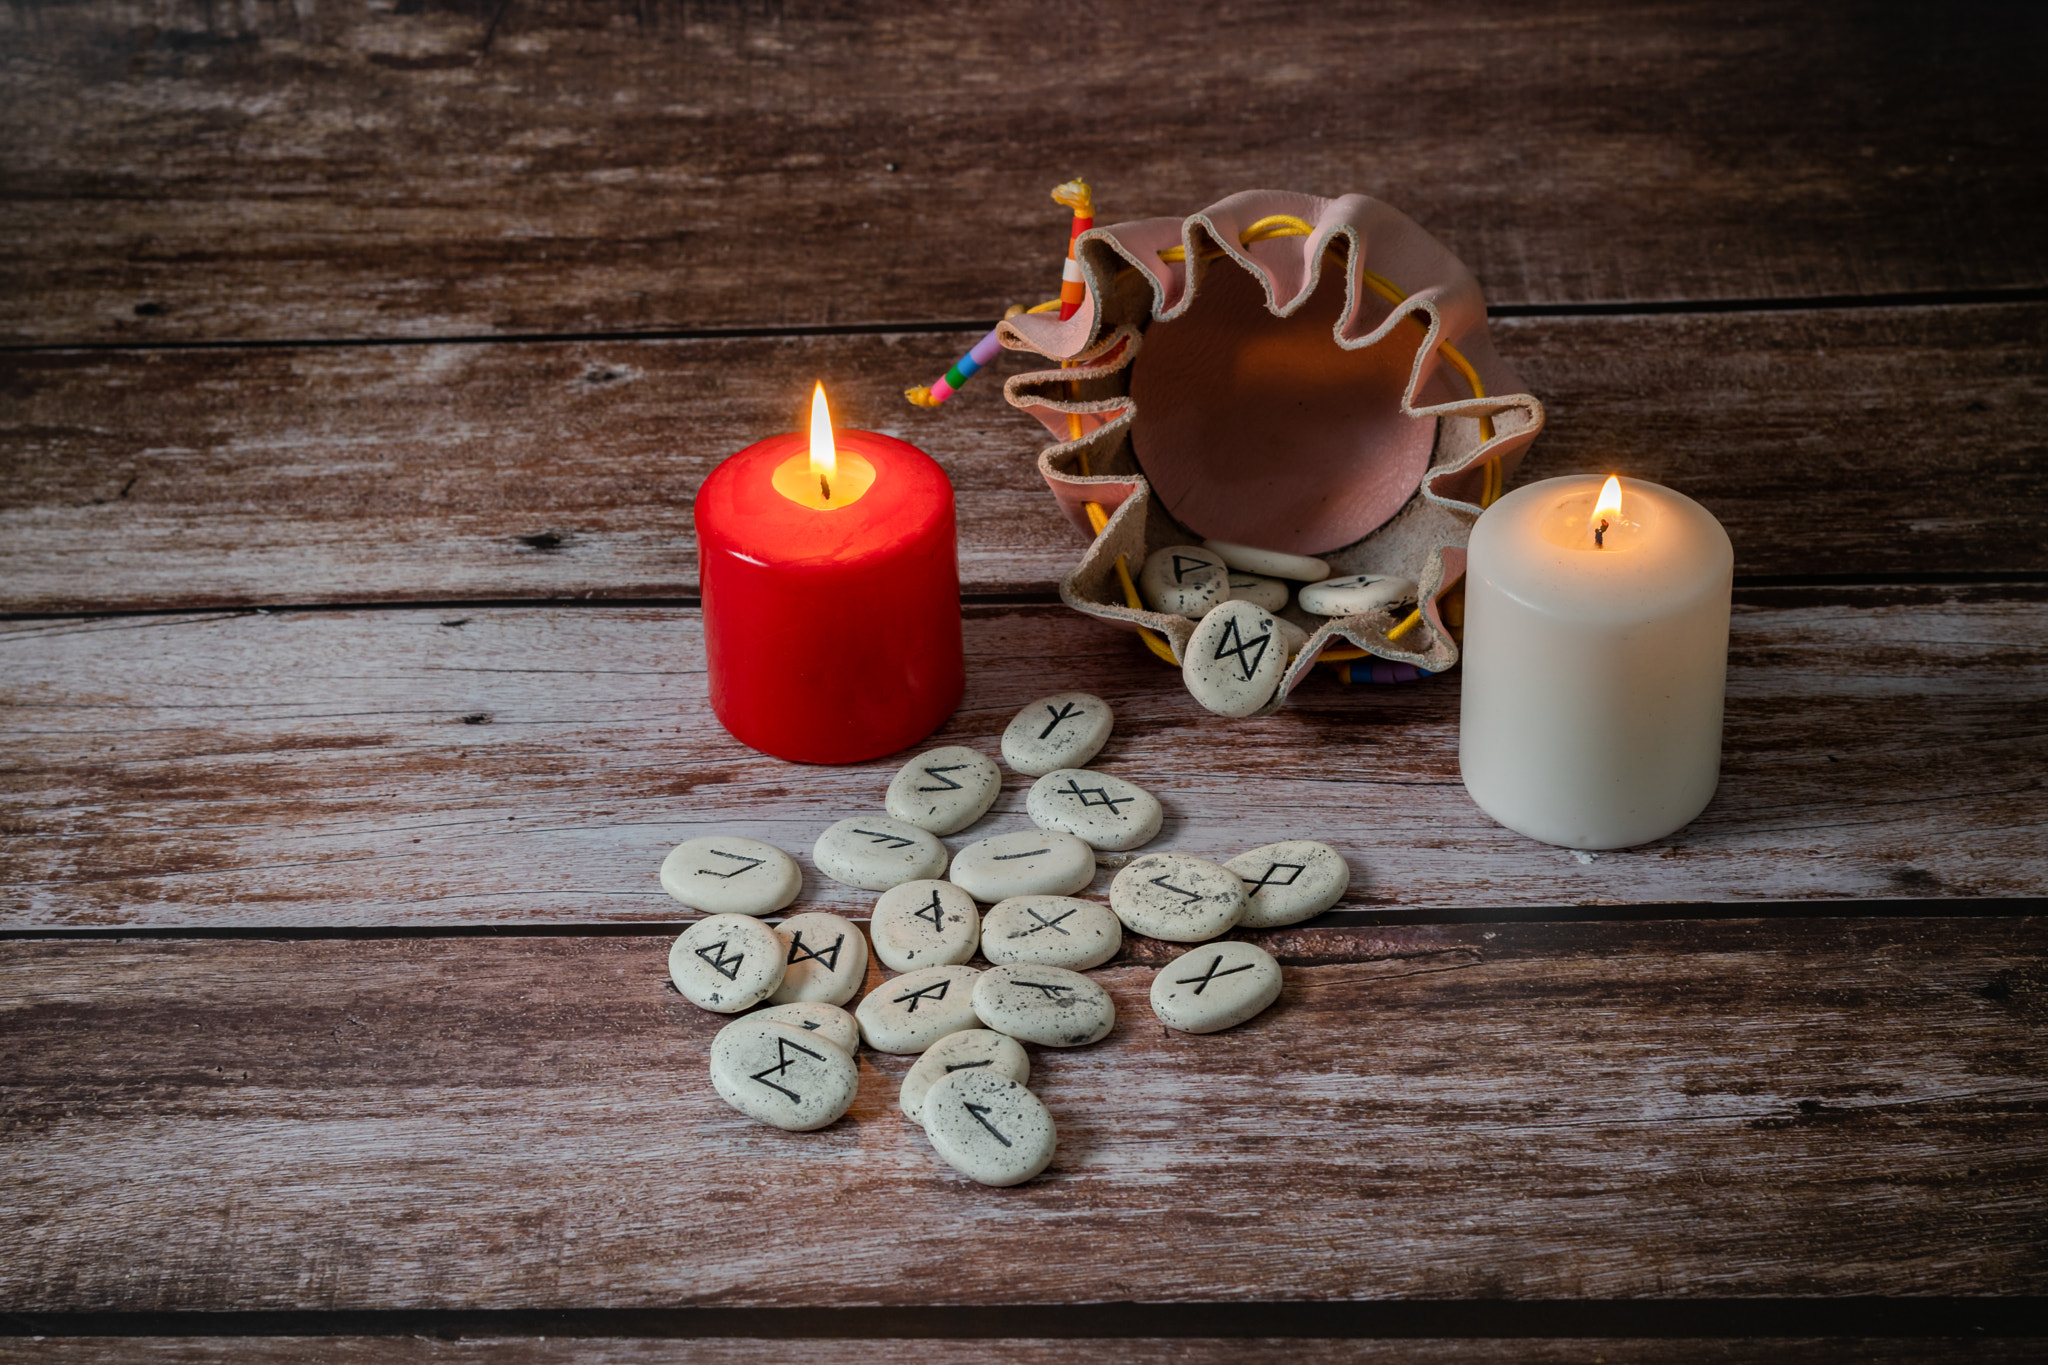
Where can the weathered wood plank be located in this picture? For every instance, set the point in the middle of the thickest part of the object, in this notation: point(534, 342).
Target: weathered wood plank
point(1864, 441)
point(334, 168)
point(1761, 1108)
point(399, 1350)
point(532, 765)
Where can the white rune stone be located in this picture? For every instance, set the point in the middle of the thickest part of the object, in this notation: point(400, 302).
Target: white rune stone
point(1105, 812)
point(726, 963)
point(924, 924)
point(1288, 882)
point(975, 1049)
point(829, 1022)
point(1050, 1006)
point(1270, 593)
point(782, 1075)
point(944, 791)
point(1235, 659)
point(1355, 593)
point(1176, 897)
point(909, 1013)
point(824, 958)
point(874, 853)
point(1215, 987)
point(1030, 862)
point(1053, 931)
point(1184, 580)
point(989, 1128)
point(1063, 731)
point(726, 875)
point(1277, 563)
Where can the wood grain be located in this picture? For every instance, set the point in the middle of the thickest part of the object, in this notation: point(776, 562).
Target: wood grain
point(1844, 442)
point(1760, 1108)
point(339, 168)
point(532, 765)
point(399, 1350)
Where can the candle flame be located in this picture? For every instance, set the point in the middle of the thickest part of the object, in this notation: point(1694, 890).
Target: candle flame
point(1606, 511)
point(1609, 506)
point(824, 455)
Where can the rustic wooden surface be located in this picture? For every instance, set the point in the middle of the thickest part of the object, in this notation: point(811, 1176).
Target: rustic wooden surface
point(332, 1014)
point(1749, 1108)
point(532, 765)
point(333, 168)
point(1829, 442)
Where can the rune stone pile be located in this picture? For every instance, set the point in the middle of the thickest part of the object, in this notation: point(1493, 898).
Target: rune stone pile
point(792, 1063)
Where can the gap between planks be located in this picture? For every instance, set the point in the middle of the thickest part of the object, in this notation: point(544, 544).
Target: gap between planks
point(1970, 907)
point(1219, 1331)
point(1618, 309)
point(1744, 584)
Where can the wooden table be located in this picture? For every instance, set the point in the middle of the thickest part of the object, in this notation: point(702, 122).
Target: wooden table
point(361, 361)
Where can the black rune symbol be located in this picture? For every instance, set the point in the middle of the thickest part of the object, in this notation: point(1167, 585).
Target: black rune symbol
point(1294, 870)
point(1044, 923)
point(935, 991)
point(892, 840)
point(1200, 983)
point(1066, 712)
point(1007, 857)
point(978, 1110)
point(1095, 796)
point(783, 1062)
point(751, 864)
point(946, 784)
point(726, 965)
point(1053, 992)
point(799, 951)
point(934, 913)
point(1183, 563)
point(1161, 882)
point(968, 1066)
point(1246, 652)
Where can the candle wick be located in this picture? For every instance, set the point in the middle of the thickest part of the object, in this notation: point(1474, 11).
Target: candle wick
point(825, 487)
point(1600, 536)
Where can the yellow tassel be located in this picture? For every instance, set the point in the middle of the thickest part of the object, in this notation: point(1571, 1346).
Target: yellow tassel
point(921, 396)
point(1076, 195)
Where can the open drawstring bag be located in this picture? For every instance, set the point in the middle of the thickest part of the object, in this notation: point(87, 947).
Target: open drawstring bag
point(1294, 373)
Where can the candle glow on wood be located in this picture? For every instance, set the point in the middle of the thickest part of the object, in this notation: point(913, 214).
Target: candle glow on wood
point(821, 478)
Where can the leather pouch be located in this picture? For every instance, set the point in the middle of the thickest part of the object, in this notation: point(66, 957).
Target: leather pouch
point(1279, 370)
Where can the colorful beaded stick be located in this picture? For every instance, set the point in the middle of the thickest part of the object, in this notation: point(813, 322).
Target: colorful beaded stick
point(1074, 195)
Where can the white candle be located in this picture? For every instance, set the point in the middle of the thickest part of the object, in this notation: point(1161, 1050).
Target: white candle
point(1595, 661)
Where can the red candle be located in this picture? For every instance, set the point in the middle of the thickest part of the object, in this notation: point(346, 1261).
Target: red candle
point(831, 594)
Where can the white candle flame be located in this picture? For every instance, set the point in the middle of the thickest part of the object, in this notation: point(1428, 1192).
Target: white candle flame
point(824, 455)
point(1607, 510)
